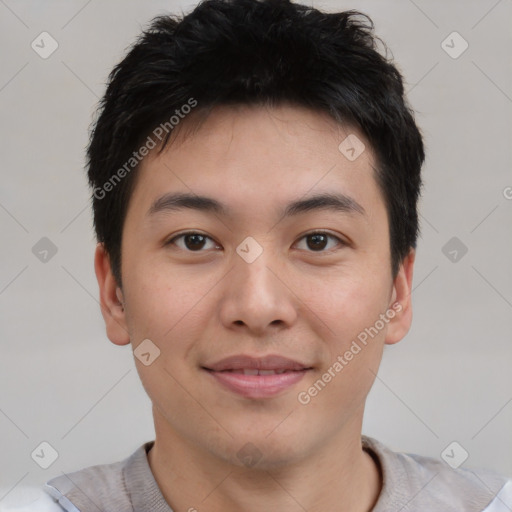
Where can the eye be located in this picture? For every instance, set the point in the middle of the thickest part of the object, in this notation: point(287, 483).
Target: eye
point(192, 241)
point(318, 240)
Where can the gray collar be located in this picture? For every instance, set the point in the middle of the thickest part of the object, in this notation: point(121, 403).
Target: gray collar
point(410, 483)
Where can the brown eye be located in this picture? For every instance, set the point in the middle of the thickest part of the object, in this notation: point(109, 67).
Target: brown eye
point(319, 240)
point(194, 242)
point(191, 241)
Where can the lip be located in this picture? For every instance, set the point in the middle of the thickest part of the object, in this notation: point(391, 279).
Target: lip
point(269, 362)
point(257, 386)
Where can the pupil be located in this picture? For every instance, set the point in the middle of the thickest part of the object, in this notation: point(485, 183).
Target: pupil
point(318, 241)
point(318, 238)
point(196, 243)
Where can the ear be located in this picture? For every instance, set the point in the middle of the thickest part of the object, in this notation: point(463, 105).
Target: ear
point(111, 299)
point(401, 303)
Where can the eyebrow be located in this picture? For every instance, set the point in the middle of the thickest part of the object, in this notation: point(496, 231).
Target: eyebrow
point(325, 201)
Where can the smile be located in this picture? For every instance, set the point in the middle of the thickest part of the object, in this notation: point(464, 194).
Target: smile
point(254, 383)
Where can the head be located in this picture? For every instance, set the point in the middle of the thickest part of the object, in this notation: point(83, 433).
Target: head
point(256, 105)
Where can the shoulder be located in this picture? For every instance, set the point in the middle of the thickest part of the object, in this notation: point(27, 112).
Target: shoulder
point(412, 482)
point(503, 500)
point(88, 487)
point(104, 486)
point(100, 487)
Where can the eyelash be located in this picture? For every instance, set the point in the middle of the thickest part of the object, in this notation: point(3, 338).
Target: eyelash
point(182, 235)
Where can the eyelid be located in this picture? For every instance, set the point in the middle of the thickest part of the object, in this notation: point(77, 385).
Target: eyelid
point(171, 240)
point(341, 241)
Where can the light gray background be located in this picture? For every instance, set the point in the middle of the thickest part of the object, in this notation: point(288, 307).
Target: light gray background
point(63, 382)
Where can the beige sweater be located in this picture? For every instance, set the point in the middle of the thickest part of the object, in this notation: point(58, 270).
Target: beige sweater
point(411, 483)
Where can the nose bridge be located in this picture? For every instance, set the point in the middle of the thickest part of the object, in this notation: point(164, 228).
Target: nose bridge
point(256, 294)
point(255, 271)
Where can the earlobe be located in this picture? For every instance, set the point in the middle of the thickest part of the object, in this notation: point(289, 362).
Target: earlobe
point(401, 303)
point(111, 299)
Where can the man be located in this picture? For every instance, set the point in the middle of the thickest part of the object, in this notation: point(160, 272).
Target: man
point(255, 172)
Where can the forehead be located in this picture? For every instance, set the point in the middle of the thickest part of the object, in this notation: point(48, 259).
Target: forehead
point(278, 126)
point(242, 153)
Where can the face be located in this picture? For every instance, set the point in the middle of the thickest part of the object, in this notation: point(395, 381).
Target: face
point(311, 284)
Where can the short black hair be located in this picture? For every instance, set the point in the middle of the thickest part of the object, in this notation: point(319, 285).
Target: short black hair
point(254, 52)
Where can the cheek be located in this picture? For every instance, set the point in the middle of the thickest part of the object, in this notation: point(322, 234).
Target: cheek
point(357, 343)
point(347, 302)
point(353, 352)
point(163, 301)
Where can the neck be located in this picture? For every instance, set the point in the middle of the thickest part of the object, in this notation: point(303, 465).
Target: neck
point(339, 476)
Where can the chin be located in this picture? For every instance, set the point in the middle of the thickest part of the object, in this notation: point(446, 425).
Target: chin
point(263, 453)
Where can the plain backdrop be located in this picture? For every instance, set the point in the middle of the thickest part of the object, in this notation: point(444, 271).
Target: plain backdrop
point(64, 383)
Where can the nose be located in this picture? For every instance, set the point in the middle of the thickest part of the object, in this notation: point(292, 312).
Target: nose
point(257, 297)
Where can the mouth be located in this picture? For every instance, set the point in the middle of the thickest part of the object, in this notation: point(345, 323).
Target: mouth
point(255, 371)
point(257, 377)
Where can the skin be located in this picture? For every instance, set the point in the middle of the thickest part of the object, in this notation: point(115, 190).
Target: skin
point(305, 304)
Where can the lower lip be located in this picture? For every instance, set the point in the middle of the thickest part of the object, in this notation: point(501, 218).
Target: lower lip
point(257, 386)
